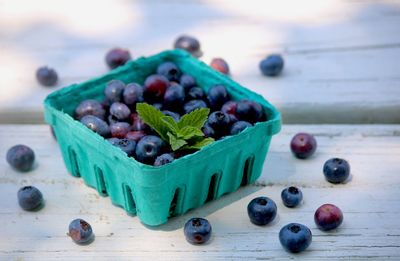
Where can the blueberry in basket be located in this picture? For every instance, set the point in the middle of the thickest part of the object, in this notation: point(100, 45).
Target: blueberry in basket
point(166, 116)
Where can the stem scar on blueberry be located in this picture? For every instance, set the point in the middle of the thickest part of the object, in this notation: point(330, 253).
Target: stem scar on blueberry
point(262, 201)
point(295, 228)
point(293, 190)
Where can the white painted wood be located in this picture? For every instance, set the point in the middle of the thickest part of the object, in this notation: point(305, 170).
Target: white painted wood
point(370, 202)
point(341, 56)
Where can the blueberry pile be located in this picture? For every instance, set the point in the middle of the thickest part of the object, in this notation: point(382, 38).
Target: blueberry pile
point(175, 94)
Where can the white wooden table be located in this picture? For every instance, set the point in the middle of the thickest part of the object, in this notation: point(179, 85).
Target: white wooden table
point(342, 66)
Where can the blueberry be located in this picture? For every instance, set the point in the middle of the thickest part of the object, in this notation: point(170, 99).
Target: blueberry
point(272, 65)
point(30, 198)
point(193, 105)
point(163, 159)
point(195, 93)
point(113, 91)
point(209, 131)
point(119, 129)
point(169, 70)
point(291, 197)
point(148, 148)
point(46, 76)
point(303, 145)
point(187, 81)
point(133, 93)
point(117, 57)
point(174, 115)
point(154, 88)
point(174, 97)
point(188, 43)
point(217, 96)
point(233, 119)
point(239, 126)
point(126, 145)
point(120, 111)
point(295, 237)
point(96, 125)
point(89, 107)
point(336, 170)
point(21, 157)
point(138, 124)
point(220, 65)
point(135, 135)
point(220, 122)
point(229, 107)
point(80, 231)
point(328, 217)
point(197, 230)
point(261, 210)
point(249, 111)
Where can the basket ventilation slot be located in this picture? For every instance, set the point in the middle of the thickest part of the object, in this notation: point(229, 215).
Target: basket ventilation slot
point(247, 171)
point(174, 203)
point(101, 184)
point(74, 163)
point(130, 205)
point(213, 188)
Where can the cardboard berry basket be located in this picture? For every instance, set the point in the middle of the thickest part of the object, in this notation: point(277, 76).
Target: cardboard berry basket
point(155, 194)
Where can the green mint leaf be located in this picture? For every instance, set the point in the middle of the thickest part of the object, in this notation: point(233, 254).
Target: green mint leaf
point(152, 117)
point(189, 132)
point(196, 118)
point(199, 144)
point(168, 120)
point(175, 142)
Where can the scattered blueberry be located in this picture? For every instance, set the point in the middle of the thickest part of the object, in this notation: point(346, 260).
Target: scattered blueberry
point(249, 111)
point(328, 217)
point(46, 76)
point(120, 111)
point(217, 96)
point(187, 81)
point(90, 107)
point(80, 231)
point(220, 65)
point(188, 43)
point(96, 125)
point(239, 126)
point(295, 237)
point(117, 57)
point(119, 129)
point(336, 170)
point(272, 65)
point(303, 145)
point(154, 87)
point(113, 91)
point(229, 107)
point(291, 197)
point(193, 105)
point(174, 115)
point(148, 148)
point(163, 159)
point(133, 93)
point(126, 145)
point(30, 198)
point(197, 230)
point(174, 97)
point(169, 70)
point(21, 157)
point(135, 135)
point(220, 122)
point(261, 210)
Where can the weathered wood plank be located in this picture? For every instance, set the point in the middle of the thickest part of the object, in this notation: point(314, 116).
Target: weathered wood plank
point(370, 202)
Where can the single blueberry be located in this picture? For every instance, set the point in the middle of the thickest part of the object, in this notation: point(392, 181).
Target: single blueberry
point(336, 170)
point(220, 122)
point(295, 237)
point(197, 230)
point(328, 217)
point(20, 157)
point(291, 197)
point(187, 81)
point(163, 159)
point(249, 111)
point(120, 111)
point(46, 76)
point(239, 126)
point(30, 198)
point(154, 88)
point(80, 231)
point(220, 65)
point(113, 90)
point(217, 96)
point(169, 70)
point(133, 93)
point(195, 93)
point(117, 57)
point(174, 97)
point(303, 145)
point(89, 107)
point(261, 210)
point(188, 43)
point(193, 105)
point(119, 129)
point(96, 125)
point(148, 148)
point(174, 115)
point(126, 145)
point(272, 65)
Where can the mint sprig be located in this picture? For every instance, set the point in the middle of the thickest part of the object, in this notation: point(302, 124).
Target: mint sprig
point(184, 134)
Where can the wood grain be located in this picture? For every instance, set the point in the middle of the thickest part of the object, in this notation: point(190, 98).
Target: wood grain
point(370, 202)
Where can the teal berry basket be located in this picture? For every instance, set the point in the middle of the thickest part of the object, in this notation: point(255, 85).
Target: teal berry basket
point(156, 194)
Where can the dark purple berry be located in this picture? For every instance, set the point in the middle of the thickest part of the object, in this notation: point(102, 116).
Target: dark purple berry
point(220, 65)
point(291, 197)
point(117, 57)
point(229, 107)
point(21, 157)
point(217, 96)
point(135, 135)
point(119, 129)
point(232, 119)
point(30, 198)
point(169, 70)
point(96, 125)
point(154, 88)
point(303, 145)
point(272, 65)
point(328, 217)
point(295, 237)
point(148, 148)
point(133, 93)
point(193, 105)
point(113, 91)
point(261, 211)
point(197, 230)
point(239, 126)
point(174, 97)
point(174, 115)
point(195, 93)
point(126, 145)
point(46, 76)
point(163, 159)
point(80, 231)
point(336, 170)
point(188, 43)
point(220, 122)
point(249, 111)
point(187, 81)
point(90, 107)
point(120, 111)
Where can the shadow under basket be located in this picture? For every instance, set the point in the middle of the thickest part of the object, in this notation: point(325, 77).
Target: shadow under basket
point(155, 194)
